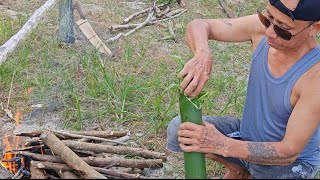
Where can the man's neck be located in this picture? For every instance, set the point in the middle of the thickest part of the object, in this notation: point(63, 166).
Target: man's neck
point(292, 55)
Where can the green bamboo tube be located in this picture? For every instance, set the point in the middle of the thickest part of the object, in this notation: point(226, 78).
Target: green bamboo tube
point(194, 162)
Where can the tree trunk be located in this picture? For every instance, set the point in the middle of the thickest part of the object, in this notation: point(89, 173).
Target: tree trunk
point(66, 21)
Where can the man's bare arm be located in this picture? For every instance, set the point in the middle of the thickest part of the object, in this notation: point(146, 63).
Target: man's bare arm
point(197, 71)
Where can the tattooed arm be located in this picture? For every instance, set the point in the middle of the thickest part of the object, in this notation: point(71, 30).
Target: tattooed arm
point(197, 71)
point(302, 124)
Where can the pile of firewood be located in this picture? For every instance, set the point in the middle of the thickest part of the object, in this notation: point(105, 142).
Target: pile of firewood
point(83, 154)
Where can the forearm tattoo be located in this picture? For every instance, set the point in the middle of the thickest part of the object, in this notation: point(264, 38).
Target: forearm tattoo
point(263, 153)
point(226, 22)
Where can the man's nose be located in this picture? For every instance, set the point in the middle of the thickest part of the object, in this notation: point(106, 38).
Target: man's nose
point(270, 31)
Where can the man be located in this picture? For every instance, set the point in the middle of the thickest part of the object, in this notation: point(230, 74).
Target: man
point(279, 134)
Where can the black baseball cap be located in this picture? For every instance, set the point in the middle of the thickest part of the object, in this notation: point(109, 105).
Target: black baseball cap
point(307, 10)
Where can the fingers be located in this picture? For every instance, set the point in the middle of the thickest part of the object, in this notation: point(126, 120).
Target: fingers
point(189, 148)
point(186, 81)
point(192, 86)
point(199, 86)
point(183, 72)
point(187, 141)
point(189, 126)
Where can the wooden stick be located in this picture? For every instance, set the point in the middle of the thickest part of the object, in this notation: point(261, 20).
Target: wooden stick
point(102, 162)
point(68, 156)
point(37, 134)
point(67, 175)
point(162, 13)
point(225, 8)
point(98, 148)
point(101, 134)
point(64, 167)
point(130, 26)
point(70, 135)
point(36, 173)
point(128, 19)
point(151, 12)
point(7, 48)
point(5, 174)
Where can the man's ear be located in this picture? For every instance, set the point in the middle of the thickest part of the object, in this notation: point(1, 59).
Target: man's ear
point(315, 28)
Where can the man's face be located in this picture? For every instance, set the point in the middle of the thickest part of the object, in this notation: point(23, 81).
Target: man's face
point(301, 28)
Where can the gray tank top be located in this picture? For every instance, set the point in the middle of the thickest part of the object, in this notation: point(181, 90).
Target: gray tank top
point(267, 106)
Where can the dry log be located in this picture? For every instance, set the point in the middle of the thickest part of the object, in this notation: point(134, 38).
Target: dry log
point(30, 134)
point(70, 135)
point(101, 134)
point(64, 167)
point(37, 134)
point(120, 174)
point(67, 175)
point(130, 26)
point(225, 8)
point(5, 174)
point(98, 148)
point(128, 19)
point(69, 157)
point(36, 173)
point(102, 162)
point(7, 48)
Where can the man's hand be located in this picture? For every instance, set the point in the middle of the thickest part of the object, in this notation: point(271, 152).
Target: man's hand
point(196, 73)
point(201, 138)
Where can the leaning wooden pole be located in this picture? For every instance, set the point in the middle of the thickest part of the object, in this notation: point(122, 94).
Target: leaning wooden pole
point(66, 21)
point(194, 162)
point(7, 48)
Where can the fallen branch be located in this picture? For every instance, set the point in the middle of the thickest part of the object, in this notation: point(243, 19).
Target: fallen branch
point(7, 48)
point(128, 19)
point(102, 162)
point(67, 175)
point(5, 174)
point(151, 12)
point(162, 13)
point(68, 156)
point(130, 26)
point(35, 172)
point(102, 134)
point(225, 8)
point(64, 167)
point(70, 135)
point(98, 148)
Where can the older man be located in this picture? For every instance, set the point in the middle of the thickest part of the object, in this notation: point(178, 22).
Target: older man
point(279, 134)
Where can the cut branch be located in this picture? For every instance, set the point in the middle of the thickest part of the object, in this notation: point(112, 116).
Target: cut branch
point(68, 156)
point(130, 26)
point(98, 148)
point(7, 48)
point(36, 173)
point(151, 12)
point(70, 135)
point(102, 134)
point(102, 162)
point(128, 19)
point(64, 167)
point(225, 8)
point(67, 175)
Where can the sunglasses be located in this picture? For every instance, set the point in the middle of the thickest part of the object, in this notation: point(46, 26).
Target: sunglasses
point(282, 33)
